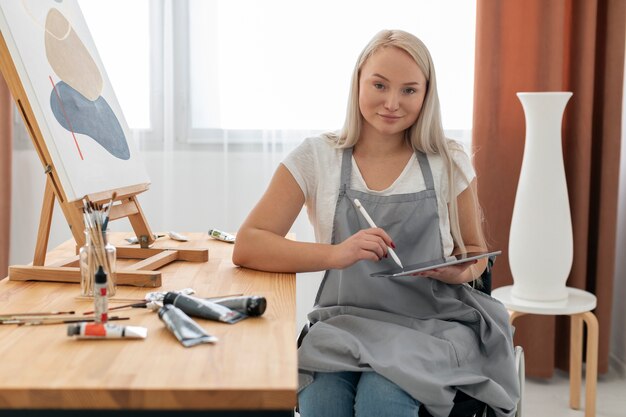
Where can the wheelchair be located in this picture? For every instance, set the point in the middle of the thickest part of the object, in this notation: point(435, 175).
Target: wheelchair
point(519, 351)
point(464, 405)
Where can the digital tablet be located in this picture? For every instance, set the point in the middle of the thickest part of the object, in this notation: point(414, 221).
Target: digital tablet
point(435, 263)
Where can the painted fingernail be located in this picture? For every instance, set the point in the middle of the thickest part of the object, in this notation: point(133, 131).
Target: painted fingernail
point(393, 245)
point(385, 255)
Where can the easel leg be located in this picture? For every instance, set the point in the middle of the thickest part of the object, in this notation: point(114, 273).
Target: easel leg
point(140, 225)
point(45, 220)
point(591, 374)
point(575, 359)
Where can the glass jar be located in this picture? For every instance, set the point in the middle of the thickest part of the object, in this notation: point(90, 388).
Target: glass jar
point(96, 251)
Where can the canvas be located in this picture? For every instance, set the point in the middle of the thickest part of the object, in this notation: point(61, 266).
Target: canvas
point(75, 107)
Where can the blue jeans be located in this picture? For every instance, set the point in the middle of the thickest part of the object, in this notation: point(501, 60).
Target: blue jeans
point(360, 394)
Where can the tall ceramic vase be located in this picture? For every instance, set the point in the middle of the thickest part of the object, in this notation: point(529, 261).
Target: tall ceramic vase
point(541, 245)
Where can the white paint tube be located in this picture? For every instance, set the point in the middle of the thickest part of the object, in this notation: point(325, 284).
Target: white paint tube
point(105, 331)
point(223, 236)
point(199, 307)
point(187, 331)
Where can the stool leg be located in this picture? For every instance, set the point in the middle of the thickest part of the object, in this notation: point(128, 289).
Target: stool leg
point(514, 314)
point(591, 374)
point(575, 359)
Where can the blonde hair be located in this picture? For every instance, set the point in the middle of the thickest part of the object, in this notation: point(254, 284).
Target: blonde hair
point(426, 134)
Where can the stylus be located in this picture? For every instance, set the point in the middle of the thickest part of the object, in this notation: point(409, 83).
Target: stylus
point(358, 205)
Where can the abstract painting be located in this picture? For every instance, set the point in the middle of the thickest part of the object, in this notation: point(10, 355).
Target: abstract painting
point(75, 106)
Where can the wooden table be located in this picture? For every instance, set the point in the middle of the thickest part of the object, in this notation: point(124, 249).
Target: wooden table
point(252, 368)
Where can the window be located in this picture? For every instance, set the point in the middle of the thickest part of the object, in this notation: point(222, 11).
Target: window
point(209, 71)
point(284, 64)
point(129, 45)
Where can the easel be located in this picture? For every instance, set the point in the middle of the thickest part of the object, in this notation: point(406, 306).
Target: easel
point(126, 205)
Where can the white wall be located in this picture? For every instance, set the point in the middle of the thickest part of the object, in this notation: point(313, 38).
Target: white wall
point(618, 325)
point(190, 191)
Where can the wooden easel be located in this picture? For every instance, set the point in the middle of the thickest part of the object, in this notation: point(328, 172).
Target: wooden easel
point(126, 205)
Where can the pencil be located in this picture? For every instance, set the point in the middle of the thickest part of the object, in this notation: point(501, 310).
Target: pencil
point(369, 220)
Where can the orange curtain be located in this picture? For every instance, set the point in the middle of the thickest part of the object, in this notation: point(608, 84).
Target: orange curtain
point(6, 152)
point(556, 45)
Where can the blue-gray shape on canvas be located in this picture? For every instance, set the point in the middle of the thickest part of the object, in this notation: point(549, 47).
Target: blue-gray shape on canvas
point(92, 118)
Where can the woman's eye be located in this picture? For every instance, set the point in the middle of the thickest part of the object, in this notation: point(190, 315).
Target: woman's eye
point(409, 91)
point(378, 86)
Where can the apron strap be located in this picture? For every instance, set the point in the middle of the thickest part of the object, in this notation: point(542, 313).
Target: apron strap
point(426, 172)
point(346, 169)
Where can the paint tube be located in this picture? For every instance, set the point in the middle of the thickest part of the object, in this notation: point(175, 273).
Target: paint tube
point(187, 331)
point(134, 240)
point(158, 295)
point(177, 236)
point(252, 305)
point(105, 331)
point(223, 236)
point(202, 308)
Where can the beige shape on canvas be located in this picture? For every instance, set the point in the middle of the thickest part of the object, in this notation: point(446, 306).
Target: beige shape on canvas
point(69, 57)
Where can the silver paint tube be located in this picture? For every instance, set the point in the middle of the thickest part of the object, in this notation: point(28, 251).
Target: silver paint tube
point(183, 327)
point(250, 305)
point(198, 307)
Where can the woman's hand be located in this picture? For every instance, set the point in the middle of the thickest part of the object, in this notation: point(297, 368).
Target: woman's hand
point(370, 244)
point(453, 274)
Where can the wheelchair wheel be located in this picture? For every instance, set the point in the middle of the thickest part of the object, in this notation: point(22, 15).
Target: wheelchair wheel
point(521, 373)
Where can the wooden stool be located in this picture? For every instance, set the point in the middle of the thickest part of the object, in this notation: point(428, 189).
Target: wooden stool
point(578, 306)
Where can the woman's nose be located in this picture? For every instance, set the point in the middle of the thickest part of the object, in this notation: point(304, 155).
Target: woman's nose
point(391, 102)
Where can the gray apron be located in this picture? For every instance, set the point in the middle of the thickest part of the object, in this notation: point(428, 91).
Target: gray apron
point(428, 337)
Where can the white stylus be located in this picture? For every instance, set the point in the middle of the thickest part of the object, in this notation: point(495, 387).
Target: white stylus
point(358, 205)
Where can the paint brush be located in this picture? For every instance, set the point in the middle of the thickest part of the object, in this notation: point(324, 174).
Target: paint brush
point(141, 304)
point(75, 320)
point(107, 210)
point(42, 313)
point(52, 320)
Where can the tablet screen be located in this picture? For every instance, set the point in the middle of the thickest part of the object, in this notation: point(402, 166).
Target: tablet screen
point(435, 263)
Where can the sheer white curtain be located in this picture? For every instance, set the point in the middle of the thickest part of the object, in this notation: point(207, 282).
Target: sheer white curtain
point(254, 72)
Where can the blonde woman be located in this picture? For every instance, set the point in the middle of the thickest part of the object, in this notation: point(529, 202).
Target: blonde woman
point(387, 346)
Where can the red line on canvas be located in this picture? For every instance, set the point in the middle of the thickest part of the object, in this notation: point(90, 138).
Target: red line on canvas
point(66, 118)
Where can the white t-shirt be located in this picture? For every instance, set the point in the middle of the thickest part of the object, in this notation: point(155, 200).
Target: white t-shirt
point(316, 166)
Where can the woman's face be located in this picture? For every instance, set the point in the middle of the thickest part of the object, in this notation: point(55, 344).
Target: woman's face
point(391, 92)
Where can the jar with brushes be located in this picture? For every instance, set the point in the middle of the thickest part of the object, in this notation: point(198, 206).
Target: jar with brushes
point(97, 251)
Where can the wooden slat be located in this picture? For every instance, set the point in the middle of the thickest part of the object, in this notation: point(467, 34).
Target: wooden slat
point(189, 255)
point(73, 261)
point(122, 210)
point(122, 193)
point(155, 262)
point(150, 279)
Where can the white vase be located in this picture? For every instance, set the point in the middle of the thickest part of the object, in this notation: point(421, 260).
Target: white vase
point(541, 247)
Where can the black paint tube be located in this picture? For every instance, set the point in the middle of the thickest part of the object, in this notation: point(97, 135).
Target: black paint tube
point(198, 307)
point(183, 327)
point(250, 305)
